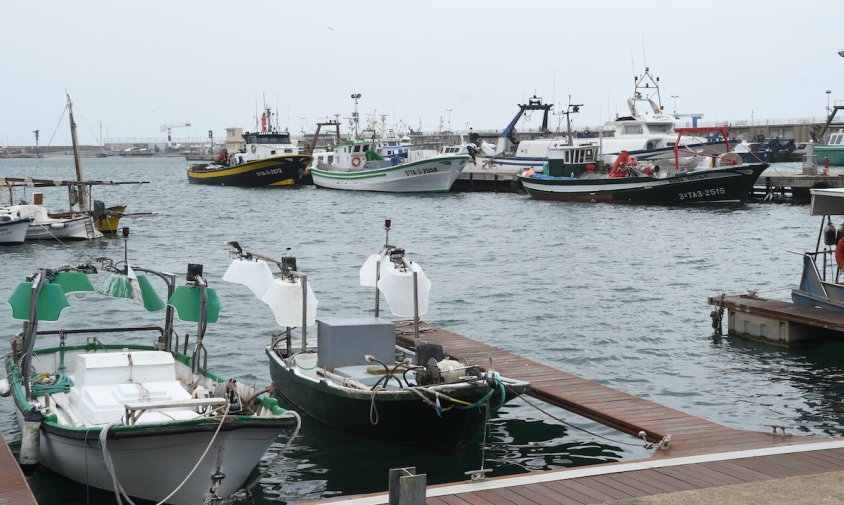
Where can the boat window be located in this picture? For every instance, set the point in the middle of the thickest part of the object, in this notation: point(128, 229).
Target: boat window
point(331, 159)
point(366, 148)
point(632, 130)
point(288, 151)
point(835, 139)
point(659, 128)
point(252, 139)
point(272, 152)
point(589, 155)
point(356, 149)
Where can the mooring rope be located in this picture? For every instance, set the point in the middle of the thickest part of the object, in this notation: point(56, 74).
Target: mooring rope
point(647, 445)
point(118, 488)
point(246, 491)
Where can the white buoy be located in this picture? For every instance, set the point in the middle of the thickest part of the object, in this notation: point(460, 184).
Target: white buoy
point(30, 441)
point(5, 387)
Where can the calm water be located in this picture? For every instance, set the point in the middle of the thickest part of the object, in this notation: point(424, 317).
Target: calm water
point(616, 294)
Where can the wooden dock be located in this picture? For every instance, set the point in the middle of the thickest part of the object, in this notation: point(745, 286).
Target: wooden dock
point(777, 322)
point(777, 186)
point(701, 453)
point(483, 179)
point(14, 490)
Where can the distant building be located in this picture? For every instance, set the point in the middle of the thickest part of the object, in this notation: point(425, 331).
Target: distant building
point(234, 139)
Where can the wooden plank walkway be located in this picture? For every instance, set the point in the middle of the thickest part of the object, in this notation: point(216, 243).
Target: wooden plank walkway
point(702, 454)
point(619, 410)
point(620, 481)
point(14, 490)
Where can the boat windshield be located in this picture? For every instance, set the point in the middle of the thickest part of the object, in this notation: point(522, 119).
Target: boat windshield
point(660, 128)
point(275, 138)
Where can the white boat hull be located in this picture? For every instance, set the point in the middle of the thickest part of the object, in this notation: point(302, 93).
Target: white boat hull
point(431, 175)
point(78, 228)
point(151, 467)
point(13, 232)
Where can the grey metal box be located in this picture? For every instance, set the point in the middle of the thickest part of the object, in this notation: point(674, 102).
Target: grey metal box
point(345, 341)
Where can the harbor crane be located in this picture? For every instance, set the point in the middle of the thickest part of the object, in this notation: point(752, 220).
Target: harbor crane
point(694, 115)
point(168, 127)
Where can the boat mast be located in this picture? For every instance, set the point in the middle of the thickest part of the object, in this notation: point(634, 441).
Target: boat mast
point(80, 189)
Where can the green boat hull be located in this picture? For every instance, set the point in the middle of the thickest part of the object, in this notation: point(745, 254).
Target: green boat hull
point(403, 419)
point(834, 153)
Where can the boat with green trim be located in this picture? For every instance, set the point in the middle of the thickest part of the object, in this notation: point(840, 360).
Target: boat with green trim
point(357, 379)
point(833, 149)
point(142, 421)
point(269, 158)
point(359, 165)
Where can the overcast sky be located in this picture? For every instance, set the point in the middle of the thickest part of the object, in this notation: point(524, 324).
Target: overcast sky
point(135, 66)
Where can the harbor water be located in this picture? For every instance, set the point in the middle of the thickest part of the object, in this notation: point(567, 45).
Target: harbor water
point(616, 294)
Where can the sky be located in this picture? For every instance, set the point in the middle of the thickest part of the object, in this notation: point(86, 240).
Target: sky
point(132, 67)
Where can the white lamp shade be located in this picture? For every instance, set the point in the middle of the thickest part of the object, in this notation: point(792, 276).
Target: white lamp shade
point(255, 275)
point(285, 300)
point(397, 287)
point(368, 271)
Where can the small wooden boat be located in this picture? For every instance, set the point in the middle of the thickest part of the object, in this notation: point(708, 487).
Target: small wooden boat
point(356, 379)
point(12, 228)
point(142, 421)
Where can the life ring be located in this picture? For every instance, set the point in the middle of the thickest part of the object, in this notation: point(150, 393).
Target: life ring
point(839, 253)
point(355, 161)
point(254, 148)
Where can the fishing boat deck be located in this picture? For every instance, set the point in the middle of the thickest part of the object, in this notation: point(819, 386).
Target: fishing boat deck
point(702, 454)
point(14, 490)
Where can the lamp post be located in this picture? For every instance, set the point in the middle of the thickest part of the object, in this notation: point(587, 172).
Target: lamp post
point(675, 97)
point(355, 116)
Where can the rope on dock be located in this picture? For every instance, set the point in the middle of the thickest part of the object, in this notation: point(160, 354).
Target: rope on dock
point(662, 444)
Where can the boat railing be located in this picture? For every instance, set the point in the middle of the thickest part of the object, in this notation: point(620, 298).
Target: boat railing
point(135, 410)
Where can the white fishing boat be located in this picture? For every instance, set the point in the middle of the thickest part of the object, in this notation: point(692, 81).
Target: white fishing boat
point(140, 420)
point(647, 133)
point(357, 166)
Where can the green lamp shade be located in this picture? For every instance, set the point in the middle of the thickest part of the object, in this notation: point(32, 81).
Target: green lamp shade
point(51, 302)
point(120, 286)
point(186, 302)
point(73, 282)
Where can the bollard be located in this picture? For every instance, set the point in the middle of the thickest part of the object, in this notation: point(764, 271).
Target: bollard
point(405, 487)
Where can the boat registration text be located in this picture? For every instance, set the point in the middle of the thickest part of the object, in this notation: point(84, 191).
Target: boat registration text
point(690, 195)
point(420, 171)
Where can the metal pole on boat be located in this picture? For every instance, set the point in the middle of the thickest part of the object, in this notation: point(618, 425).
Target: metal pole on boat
point(304, 312)
point(76, 159)
point(31, 330)
point(415, 311)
